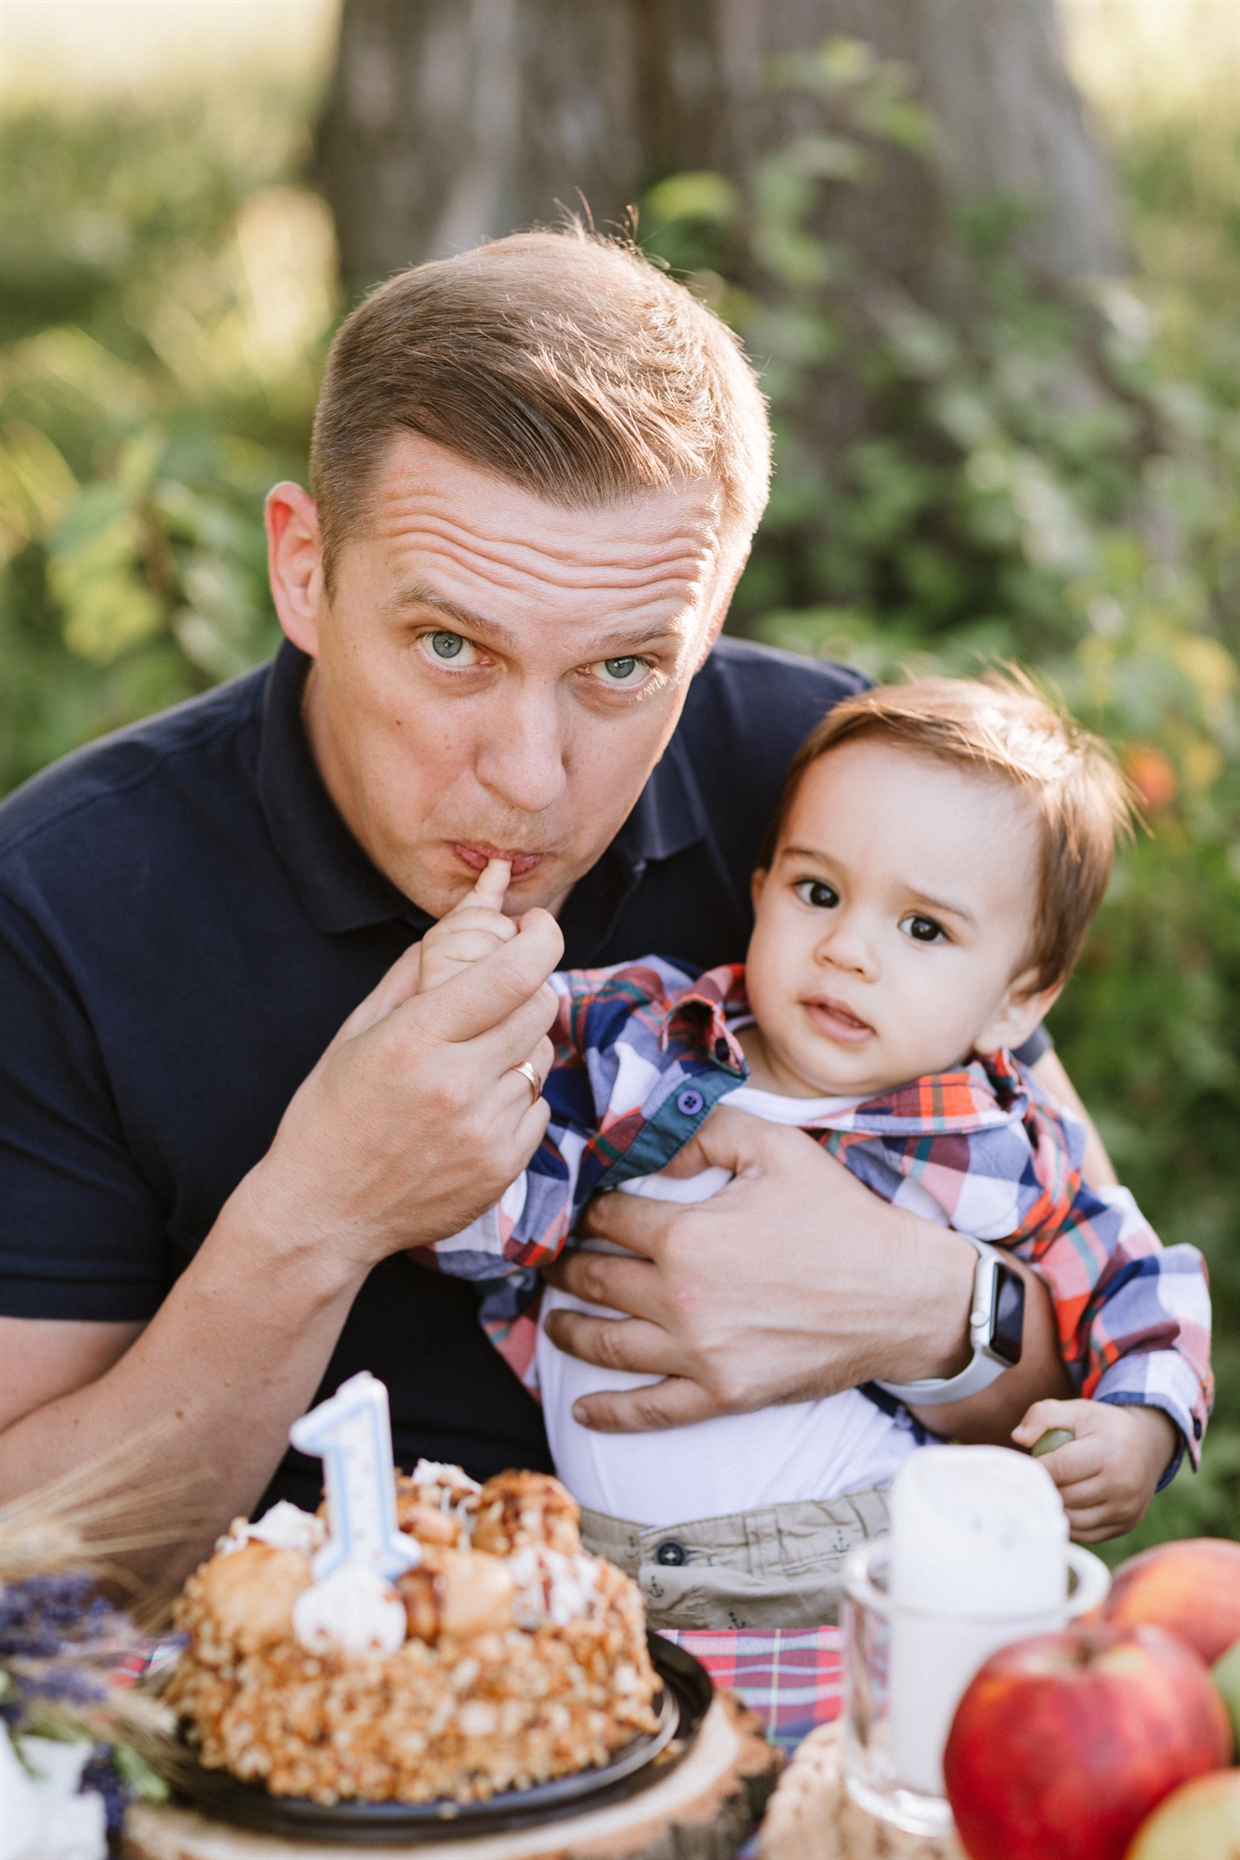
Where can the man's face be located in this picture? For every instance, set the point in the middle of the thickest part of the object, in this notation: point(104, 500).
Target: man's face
point(496, 676)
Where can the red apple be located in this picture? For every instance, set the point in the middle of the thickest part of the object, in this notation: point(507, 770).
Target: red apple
point(1191, 1588)
point(1200, 1821)
point(1062, 1744)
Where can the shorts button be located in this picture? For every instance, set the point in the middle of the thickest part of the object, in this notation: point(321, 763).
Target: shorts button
point(689, 1103)
point(671, 1554)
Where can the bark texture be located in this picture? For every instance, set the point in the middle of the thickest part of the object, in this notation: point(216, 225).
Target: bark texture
point(452, 121)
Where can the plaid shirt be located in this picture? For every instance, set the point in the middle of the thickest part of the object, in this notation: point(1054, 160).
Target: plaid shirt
point(645, 1050)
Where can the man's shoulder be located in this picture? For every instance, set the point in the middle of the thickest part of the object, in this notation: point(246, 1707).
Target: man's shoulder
point(123, 776)
point(743, 688)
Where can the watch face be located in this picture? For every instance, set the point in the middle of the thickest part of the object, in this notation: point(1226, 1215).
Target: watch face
point(1008, 1325)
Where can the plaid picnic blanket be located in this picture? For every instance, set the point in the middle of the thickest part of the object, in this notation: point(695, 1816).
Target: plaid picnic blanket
point(789, 1676)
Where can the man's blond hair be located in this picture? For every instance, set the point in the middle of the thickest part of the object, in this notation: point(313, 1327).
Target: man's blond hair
point(1003, 728)
point(561, 361)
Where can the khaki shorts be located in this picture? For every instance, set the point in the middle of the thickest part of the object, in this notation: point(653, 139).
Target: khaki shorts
point(778, 1567)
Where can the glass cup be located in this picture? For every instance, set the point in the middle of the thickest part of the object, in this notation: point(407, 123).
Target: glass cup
point(869, 1617)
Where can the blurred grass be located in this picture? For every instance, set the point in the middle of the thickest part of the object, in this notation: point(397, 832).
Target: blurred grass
point(1054, 480)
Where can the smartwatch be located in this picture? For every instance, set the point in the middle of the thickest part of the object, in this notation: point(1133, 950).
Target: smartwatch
point(996, 1327)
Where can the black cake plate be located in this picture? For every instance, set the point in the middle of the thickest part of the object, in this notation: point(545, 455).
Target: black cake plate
point(685, 1699)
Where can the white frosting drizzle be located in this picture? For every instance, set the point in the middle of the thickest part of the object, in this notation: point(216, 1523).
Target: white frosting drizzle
point(355, 1609)
point(550, 1587)
point(284, 1527)
point(435, 1472)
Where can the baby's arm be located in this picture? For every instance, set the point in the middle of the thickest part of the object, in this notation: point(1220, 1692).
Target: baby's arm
point(1134, 1327)
point(1109, 1471)
point(471, 929)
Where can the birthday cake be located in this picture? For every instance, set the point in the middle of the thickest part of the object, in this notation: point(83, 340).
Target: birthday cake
point(499, 1656)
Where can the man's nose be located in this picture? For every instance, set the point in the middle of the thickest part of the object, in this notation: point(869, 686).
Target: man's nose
point(521, 758)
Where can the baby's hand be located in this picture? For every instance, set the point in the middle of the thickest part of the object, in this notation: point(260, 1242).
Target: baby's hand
point(471, 929)
point(1108, 1472)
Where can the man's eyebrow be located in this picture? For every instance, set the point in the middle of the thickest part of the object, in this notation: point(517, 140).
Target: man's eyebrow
point(942, 905)
point(609, 646)
point(416, 595)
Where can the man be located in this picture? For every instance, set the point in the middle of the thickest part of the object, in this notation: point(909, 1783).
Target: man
point(536, 470)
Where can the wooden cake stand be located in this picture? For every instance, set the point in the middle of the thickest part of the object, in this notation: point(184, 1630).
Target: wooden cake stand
point(702, 1810)
point(812, 1817)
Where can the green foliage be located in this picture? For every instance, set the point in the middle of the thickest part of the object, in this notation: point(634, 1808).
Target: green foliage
point(1037, 475)
point(168, 296)
point(1046, 476)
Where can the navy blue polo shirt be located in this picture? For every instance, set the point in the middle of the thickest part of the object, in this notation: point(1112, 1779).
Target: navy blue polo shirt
point(187, 920)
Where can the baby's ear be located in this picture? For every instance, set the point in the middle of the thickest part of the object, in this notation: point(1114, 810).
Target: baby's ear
point(1021, 1010)
point(757, 884)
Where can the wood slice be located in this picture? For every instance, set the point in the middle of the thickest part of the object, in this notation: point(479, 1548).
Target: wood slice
point(812, 1817)
point(702, 1811)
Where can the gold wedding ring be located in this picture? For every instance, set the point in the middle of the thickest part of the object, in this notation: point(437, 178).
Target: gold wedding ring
point(530, 1071)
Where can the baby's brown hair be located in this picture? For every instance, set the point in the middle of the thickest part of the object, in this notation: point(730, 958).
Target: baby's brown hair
point(1002, 727)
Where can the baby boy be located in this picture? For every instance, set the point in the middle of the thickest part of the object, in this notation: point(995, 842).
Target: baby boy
point(925, 889)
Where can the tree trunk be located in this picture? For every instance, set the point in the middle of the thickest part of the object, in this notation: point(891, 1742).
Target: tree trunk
point(452, 121)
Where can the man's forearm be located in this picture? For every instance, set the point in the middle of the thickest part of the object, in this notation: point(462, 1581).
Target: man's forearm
point(844, 1289)
point(1040, 1375)
point(232, 1357)
point(411, 1123)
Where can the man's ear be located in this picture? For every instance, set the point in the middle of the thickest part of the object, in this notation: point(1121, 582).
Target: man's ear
point(1019, 1012)
point(295, 563)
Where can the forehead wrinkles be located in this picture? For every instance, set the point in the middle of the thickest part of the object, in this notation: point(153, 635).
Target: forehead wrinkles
point(675, 554)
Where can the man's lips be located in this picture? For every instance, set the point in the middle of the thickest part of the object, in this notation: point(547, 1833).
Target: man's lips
point(838, 1022)
point(476, 853)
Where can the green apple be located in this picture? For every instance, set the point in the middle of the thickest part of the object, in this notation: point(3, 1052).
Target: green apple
point(1226, 1675)
point(1199, 1821)
point(1047, 1443)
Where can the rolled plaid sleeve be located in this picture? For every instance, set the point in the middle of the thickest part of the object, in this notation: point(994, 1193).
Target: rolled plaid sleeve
point(626, 1092)
point(1134, 1316)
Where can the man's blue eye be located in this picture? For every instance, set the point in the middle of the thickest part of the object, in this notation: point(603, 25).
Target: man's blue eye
point(620, 668)
point(446, 645)
point(821, 896)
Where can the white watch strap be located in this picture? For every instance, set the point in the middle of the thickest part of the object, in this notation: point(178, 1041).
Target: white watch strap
point(984, 1368)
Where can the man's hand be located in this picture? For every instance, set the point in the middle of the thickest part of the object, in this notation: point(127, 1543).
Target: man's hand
point(791, 1283)
point(472, 929)
point(414, 1121)
point(1108, 1473)
point(411, 1124)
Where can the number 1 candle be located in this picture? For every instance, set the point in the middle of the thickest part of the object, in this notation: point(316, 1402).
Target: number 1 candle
point(352, 1434)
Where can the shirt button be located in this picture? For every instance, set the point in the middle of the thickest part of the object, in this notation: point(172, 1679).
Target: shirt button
point(723, 1051)
point(671, 1554)
point(689, 1103)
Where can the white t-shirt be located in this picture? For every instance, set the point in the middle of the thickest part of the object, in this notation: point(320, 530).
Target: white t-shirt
point(802, 1450)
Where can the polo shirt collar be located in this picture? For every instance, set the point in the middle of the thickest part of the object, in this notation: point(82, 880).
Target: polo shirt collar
point(669, 815)
point(342, 890)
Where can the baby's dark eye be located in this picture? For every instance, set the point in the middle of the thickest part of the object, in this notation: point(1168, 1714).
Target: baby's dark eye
point(817, 893)
point(922, 929)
